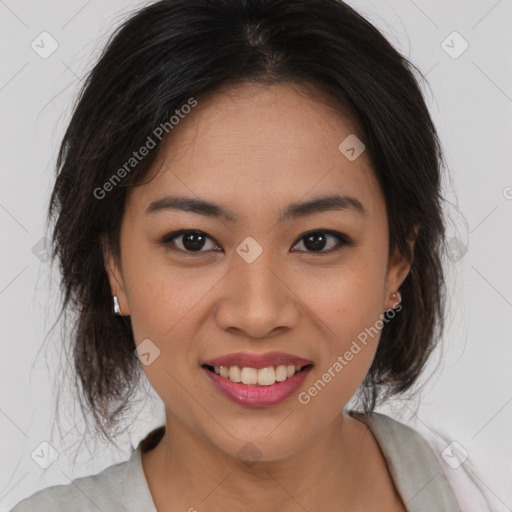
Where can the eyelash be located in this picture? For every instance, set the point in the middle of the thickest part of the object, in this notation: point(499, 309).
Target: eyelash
point(343, 240)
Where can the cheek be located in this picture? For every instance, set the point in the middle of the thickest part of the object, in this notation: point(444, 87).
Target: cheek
point(166, 301)
point(165, 309)
point(346, 310)
point(160, 301)
point(346, 302)
point(346, 298)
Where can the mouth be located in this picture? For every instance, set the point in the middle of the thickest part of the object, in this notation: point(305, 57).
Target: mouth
point(257, 380)
point(267, 376)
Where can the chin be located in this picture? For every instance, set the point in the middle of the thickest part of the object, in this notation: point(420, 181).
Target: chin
point(262, 445)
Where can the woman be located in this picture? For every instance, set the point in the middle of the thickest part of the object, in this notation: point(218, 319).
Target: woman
point(248, 200)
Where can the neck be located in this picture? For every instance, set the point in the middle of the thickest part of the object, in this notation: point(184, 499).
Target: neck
point(186, 471)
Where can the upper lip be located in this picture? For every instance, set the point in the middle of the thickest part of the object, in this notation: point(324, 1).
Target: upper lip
point(248, 360)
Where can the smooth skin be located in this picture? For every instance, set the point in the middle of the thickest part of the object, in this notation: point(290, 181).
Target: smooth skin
point(253, 150)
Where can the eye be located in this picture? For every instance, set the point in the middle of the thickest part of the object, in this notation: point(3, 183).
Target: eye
point(188, 240)
point(316, 241)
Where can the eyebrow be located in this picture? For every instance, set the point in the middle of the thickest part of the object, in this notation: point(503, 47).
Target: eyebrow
point(292, 211)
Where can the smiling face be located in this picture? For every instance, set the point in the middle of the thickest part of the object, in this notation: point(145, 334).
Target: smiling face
point(256, 153)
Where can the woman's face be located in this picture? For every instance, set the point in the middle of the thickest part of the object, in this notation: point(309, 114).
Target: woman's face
point(252, 282)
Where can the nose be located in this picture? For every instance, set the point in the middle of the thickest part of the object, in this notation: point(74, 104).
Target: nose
point(257, 300)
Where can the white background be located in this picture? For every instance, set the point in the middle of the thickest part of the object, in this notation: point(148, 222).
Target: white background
point(469, 394)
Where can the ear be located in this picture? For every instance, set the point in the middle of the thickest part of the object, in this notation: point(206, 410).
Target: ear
point(399, 266)
point(115, 277)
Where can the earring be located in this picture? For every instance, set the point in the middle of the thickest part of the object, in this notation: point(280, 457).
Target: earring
point(117, 308)
point(396, 295)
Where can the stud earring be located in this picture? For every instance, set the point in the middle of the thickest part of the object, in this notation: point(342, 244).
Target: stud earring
point(398, 297)
point(117, 308)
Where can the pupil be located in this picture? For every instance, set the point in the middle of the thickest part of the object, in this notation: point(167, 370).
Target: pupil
point(315, 245)
point(191, 244)
point(195, 241)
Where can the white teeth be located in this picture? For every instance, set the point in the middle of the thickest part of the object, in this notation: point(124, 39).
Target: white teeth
point(249, 376)
point(234, 373)
point(281, 373)
point(262, 376)
point(266, 376)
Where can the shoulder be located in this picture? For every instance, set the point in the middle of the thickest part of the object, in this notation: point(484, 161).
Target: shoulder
point(427, 456)
point(102, 491)
point(462, 473)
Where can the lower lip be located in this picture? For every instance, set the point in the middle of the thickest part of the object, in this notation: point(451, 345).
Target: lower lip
point(258, 396)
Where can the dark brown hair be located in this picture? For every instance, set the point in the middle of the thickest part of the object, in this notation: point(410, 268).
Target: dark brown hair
point(174, 50)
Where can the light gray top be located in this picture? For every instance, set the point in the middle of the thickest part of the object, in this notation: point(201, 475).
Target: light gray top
point(416, 472)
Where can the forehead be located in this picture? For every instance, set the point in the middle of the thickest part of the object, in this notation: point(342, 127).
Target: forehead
point(254, 146)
